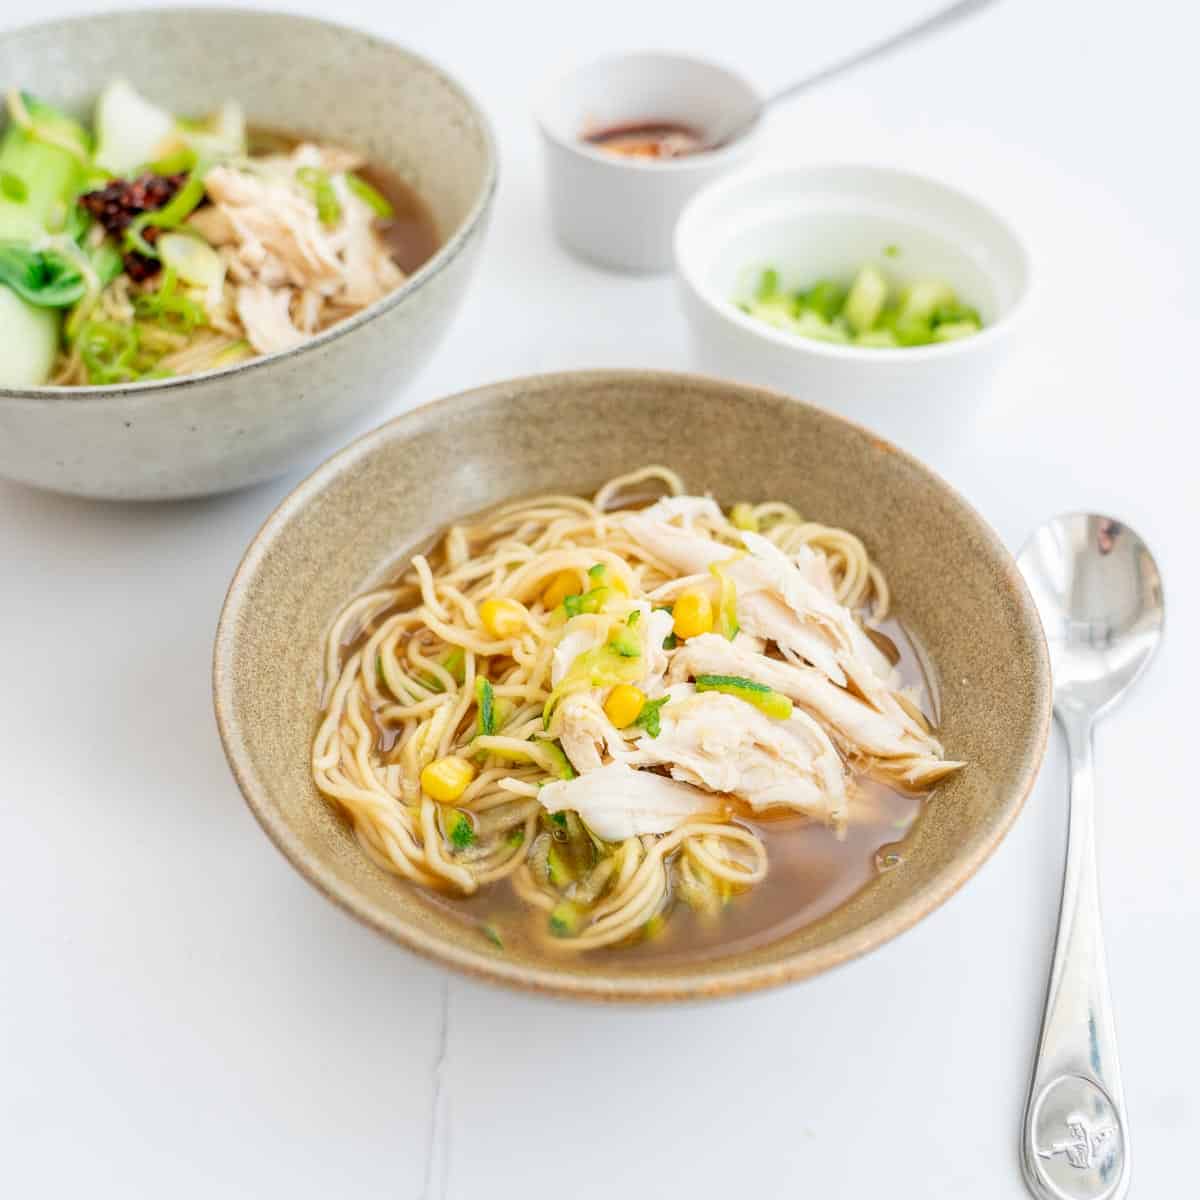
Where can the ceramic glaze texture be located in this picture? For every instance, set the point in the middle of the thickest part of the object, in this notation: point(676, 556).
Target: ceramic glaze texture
point(244, 424)
point(349, 525)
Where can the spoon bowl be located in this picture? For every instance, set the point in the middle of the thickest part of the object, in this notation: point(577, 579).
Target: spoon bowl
point(1099, 594)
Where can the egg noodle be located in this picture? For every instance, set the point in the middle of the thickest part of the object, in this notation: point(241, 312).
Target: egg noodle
point(444, 680)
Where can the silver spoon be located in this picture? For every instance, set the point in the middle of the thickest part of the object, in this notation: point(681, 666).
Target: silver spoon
point(1100, 597)
point(938, 21)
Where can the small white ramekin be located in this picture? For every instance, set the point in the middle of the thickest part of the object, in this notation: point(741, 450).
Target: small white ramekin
point(619, 211)
point(813, 222)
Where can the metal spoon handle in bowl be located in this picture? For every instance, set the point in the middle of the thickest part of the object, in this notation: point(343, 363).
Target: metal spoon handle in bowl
point(1075, 1139)
point(943, 19)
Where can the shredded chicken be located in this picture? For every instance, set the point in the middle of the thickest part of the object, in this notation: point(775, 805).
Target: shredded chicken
point(779, 599)
point(723, 744)
point(617, 802)
point(586, 733)
point(271, 236)
point(264, 311)
point(899, 749)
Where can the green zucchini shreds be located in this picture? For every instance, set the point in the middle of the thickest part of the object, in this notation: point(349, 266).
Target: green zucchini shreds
point(772, 703)
point(625, 642)
point(562, 764)
point(565, 919)
point(485, 698)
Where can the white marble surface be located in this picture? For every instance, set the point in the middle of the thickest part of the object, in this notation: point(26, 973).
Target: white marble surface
point(182, 1016)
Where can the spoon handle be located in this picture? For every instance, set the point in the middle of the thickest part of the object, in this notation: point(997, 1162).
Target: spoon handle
point(1075, 1138)
point(940, 20)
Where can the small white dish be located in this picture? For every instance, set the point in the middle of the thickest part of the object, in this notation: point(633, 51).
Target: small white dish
point(814, 222)
point(620, 211)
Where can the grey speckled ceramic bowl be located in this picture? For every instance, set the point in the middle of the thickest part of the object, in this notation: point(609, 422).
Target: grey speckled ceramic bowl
point(228, 428)
point(349, 525)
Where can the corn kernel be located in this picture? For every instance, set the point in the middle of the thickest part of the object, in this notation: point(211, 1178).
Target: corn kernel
point(502, 618)
point(624, 704)
point(445, 779)
point(564, 584)
point(693, 615)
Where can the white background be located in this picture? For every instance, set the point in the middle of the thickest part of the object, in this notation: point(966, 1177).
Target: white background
point(182, 1016)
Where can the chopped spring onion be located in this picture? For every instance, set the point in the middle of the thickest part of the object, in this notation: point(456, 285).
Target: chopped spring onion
point(871, 312)
point(108, 349)
point(191, 258)
point(170, 307)
point(170, 216)
point(320, 186)
point(492, 934)
point(772, 703)
point(375, 200)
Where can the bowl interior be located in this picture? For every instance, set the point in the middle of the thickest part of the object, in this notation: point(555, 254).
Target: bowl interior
point(819, 222)
point(347, 526)
point(289, 73)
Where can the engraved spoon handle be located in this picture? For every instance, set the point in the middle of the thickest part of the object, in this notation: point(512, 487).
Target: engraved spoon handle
point(1075, 1139)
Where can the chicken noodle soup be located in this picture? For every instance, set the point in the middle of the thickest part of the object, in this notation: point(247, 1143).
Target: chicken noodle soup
point(608, 706)
point(161, 246)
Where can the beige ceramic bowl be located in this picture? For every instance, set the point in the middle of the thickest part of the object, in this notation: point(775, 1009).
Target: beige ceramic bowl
point(349, 525)
point(224, 429)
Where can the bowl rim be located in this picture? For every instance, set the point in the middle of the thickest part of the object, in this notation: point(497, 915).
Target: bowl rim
point(687, 163)
point(699, 981)
point(442, 257)
point(685, 239)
